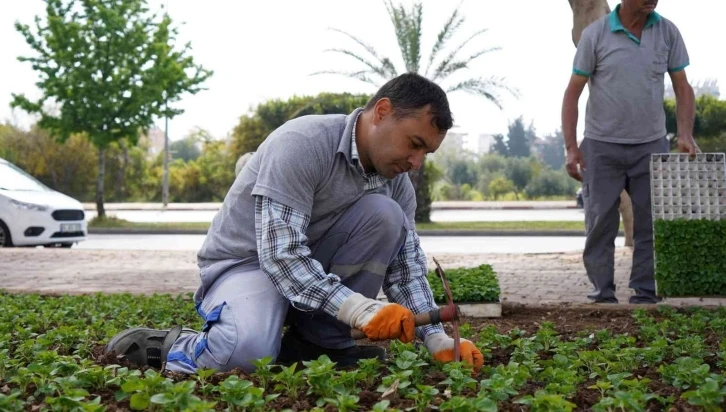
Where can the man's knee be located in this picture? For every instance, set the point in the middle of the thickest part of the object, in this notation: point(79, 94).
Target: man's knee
point(241, 350)
point(381, 211)
point(255, 346)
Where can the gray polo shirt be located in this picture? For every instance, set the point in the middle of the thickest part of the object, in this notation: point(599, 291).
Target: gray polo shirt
point(626, 77)
point(305, 164)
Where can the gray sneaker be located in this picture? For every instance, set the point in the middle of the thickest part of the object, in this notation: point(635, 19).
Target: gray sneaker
point(145, 347)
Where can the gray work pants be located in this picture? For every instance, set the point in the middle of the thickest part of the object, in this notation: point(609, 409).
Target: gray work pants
point(244, 313)
point(610, 168)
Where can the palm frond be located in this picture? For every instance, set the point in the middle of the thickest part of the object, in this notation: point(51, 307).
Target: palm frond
point(486, 88)
point(445, 34)
point(408, 33)
point(366, 46)
point(379, 70)
point(359, 75)
point(453, 54)
point(386, 69)
point(389, 68)
point(463, 64)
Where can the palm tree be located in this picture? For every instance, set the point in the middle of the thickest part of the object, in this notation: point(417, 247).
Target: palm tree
point(438, 67)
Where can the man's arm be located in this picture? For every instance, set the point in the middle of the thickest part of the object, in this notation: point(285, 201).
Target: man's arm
point(583, 67)
point(569, 124)
point(678, 60)
point(406, 282)
point(285, 259)
point(685, 111)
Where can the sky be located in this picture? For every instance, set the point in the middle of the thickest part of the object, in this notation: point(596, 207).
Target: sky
point(261, 50)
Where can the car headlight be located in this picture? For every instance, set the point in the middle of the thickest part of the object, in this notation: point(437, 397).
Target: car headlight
point(28, 206)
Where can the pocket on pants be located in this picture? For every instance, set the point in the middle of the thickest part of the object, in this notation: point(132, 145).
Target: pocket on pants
point(220, 336)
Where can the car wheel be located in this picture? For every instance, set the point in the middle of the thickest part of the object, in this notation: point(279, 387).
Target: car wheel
point(5, 239)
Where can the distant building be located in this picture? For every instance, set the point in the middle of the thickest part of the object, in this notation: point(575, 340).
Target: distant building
point(483, 143)
point(155, 138)
point(708, 87)
point(454, 140)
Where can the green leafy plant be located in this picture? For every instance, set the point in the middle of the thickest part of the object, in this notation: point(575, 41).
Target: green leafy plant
point(543, 401)
point(478, 284)
point(687, 259)
point(710, 395)
point(41, 365)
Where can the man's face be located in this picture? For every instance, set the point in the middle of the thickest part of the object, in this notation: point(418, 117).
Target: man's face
point(399, 145)
point(642, 6)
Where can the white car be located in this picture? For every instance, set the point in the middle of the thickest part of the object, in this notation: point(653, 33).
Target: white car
point(32, 214)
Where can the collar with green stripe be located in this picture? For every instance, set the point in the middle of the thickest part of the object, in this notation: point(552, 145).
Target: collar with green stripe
point(617, 25)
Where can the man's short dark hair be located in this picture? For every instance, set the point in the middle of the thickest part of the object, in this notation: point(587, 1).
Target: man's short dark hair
point(409, 93)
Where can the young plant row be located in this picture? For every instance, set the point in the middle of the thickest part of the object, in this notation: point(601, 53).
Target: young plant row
point(49, 360)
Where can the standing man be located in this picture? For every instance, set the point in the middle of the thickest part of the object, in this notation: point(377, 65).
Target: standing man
point(623, 57)
point(319, 219)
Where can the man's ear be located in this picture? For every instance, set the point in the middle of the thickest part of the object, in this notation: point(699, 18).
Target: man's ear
point(381, 110)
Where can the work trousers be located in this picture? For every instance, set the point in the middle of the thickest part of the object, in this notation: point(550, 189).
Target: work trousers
point(610, 168)
point(244, 313)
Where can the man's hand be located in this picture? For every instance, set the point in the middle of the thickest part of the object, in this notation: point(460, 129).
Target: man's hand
point(686, 144)
point(441, 347)
point(574, 159)
point(378, 320)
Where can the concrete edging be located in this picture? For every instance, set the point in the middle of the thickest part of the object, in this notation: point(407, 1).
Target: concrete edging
point(481, 310)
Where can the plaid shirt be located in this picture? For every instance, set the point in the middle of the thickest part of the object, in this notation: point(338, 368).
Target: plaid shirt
point(280, 232)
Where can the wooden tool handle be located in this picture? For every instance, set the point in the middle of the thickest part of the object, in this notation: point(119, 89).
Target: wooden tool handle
point(442, 314)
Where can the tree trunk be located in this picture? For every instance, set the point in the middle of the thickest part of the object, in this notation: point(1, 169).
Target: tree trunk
point(101, 212)
point(420, 181)
point(585, 12)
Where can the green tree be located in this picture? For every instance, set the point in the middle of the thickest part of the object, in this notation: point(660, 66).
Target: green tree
point(709, 129)
point(499, 146)
point(67, 167)
point(187, 148)
point(439, 66)
point(550, 183)
point(254, 128)
point(553, 150)
point(518, 140)
point(519, 171)
point(109, 68)
point(500, 186)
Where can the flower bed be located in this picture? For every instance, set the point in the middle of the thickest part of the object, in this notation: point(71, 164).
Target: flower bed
point(535, 359)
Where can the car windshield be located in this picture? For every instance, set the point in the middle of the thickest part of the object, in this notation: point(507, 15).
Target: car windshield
point(13, 178)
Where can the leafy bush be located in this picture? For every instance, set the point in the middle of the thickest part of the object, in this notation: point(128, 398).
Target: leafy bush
point(689, 257)
point(478, 284)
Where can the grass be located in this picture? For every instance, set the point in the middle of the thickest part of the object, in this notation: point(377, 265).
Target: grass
point(112, 222)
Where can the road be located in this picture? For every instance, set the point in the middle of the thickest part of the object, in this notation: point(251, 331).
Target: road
point(430, 244)
point(436, 216)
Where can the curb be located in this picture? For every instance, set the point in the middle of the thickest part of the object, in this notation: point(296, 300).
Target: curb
point(448, 233)
point(207, 207)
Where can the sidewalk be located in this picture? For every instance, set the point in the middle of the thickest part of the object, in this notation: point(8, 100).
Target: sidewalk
point(448, 205)
point(530, 279)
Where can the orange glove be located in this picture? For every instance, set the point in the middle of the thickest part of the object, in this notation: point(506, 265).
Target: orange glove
point(378, 320)
point(441, 347)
